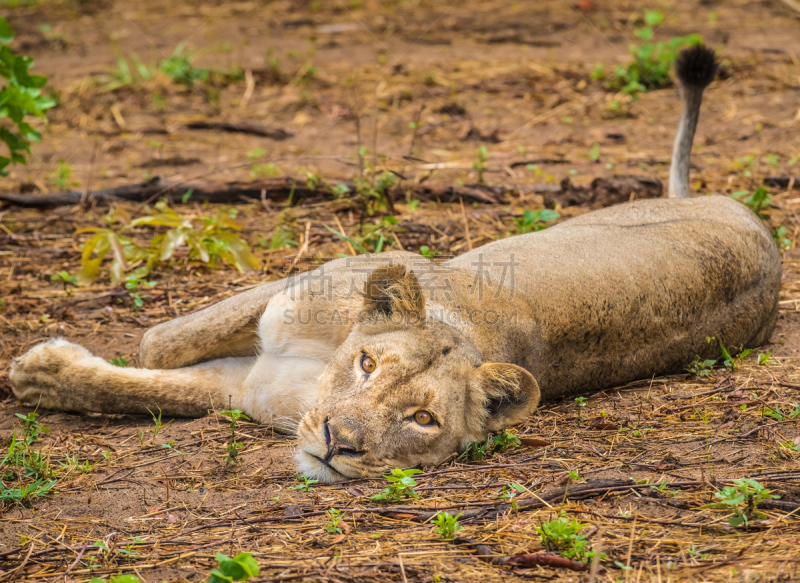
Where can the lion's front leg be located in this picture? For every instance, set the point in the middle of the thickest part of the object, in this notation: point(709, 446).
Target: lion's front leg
point(60, 375)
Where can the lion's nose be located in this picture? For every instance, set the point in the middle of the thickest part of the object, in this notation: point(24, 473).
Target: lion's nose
point(337, 445)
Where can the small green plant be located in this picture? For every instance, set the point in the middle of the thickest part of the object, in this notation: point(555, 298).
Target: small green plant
point(24, 493)
point(20, 453)
point(700, 367)
point(426, 251)
point(374, 190)
point(216, 241)
point(780, 238)
point(179, 68)
point(120, 361)
point(21, 98)
point(562, 535)
point(242, 567)
point(61, 177)
point(537, 220)
point(758, 202)
point(730, 362)
point(401, 485)
point(132, 283)
point(504, 441)
point(31, 428)
point(651, 64)
point(341, 190)
point(266, 170)
point(234, 446)
point(334, 518)
point(476, 451)
point(574, 476)
point(69, 463)
point(500, 443)
point(480, 163)
point(447, 525)
point(695, 552)
point(662, 488)
point(64, 278)
point(373, 236)
point(157, 425)
point(124, 75)
point(580, 403)
point(742, 499)
point(285, 233)
point(512, 490)
point(777, 414)
point(306, 486)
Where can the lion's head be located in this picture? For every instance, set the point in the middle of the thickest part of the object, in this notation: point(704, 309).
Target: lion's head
point(405, 390)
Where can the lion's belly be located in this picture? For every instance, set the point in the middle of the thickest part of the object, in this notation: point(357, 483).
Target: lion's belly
point(635, 290)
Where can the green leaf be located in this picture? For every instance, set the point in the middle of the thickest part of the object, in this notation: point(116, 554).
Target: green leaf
point(653, 18)
point(6, 32)
point(217, 577)
point(239, 568)
point(172, 239)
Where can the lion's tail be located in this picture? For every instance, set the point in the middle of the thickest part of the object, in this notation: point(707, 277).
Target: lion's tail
point(696, 68)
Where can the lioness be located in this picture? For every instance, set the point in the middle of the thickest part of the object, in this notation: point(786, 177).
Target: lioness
point(396, 361)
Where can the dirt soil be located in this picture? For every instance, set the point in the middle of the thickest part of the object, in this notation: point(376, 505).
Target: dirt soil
point(419, 86)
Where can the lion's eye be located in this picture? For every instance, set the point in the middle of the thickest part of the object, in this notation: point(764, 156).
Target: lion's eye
point(367, 364)
point(423, 418)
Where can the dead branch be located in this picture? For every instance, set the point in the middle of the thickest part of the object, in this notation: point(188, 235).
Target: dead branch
point(241, 128)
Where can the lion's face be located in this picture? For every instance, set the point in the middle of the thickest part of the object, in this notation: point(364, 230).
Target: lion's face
point(405, 391)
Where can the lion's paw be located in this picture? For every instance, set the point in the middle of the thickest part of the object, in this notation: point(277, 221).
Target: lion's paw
point(37, 375)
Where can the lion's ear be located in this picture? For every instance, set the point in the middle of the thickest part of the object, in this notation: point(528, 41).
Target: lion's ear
point(509, 394)
point(393, 293)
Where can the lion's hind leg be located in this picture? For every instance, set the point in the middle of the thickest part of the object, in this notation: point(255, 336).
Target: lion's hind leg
point(60, 375)
point(225, 329)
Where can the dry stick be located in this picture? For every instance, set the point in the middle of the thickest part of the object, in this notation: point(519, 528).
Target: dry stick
point(630, 546)
point(546, 560)
point(303, 248)
point(413, 140)
point(598, 550)
point(75, 562)
point(466, 223)
point(88, 189)
point(402, 568)
point(250, 85)
point(341, 230)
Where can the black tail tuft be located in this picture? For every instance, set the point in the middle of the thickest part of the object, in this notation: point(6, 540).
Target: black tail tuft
point(696, 66)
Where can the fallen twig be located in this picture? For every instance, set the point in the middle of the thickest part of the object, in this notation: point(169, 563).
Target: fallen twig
point(241, 128)
point(546, 560)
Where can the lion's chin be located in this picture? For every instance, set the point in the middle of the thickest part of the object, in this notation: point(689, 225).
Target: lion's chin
point(312, 468)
